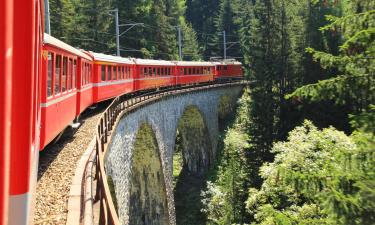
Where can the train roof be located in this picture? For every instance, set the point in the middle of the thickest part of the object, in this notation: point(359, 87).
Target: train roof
point(111, 59)
point(193, 63)
point(48, 39)
point(151, 62)
point(227, 63)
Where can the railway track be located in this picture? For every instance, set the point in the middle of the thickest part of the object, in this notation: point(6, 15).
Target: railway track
point(57, 165)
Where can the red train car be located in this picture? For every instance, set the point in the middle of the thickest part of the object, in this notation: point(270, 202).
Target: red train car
point(195, 72)
point(59, 87)
point(152, 74)
point(85, 79)
point(229, 69)
point(113, 76)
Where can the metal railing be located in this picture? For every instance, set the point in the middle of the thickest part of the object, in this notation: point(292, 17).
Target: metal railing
point(109, 120)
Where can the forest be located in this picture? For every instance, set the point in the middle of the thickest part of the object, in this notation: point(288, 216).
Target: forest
point(301, 148)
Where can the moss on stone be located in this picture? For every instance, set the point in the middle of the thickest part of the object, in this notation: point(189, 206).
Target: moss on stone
point(148, 199)
point(225, 107)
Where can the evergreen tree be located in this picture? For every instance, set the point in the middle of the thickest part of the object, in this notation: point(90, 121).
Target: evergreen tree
point(354, 83)
point(201, 14)
point(190, 44)
point(225, 21)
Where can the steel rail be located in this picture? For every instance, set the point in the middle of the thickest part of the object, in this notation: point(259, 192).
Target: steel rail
point(109, 119)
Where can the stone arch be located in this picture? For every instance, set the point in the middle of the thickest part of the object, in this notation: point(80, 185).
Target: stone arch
point(147, 189)
point(196, 147)
point(192, 158)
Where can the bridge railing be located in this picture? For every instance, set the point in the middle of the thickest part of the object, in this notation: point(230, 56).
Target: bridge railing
point(107, 122)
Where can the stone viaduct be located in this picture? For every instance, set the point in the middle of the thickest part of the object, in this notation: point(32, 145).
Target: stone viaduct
point(139, 159)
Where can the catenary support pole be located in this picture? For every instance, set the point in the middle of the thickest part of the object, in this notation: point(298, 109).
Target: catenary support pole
point(47, 17)
point(117, 32)
point(225, 44)
point(179, 43)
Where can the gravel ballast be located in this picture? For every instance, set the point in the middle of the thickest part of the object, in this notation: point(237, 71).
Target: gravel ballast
point(57, 165)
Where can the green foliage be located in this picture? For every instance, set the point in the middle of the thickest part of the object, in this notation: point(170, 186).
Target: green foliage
point(355, 62)
point(190, 48)
point(224, 198)
point(83, 24)
point(201, 14)
point(317, 177)
point(364, 121)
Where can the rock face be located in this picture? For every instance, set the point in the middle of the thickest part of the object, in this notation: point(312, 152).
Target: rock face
point(140, 156)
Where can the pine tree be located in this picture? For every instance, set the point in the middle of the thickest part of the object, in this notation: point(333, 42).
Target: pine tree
point(354, 65)
point(225, 21)
point(201, 14)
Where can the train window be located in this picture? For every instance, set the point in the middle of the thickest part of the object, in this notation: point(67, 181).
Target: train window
point(169, 71)
point(109, 72)
point(74, 73)
point(154, 73)
point(189, 71)
point(57, 74)
point(103, 72)
point(50, 73)
point(69, 75)
point(86, 73)
point(150, 71)
point(64, 74)
point(83, 72)
point(225, 67)
point(89, 80)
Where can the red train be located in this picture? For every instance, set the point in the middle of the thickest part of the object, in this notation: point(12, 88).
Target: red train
point(72, 80)
point(45, 84)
